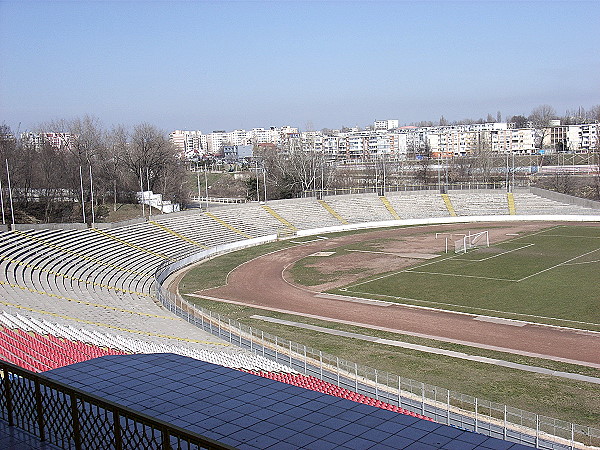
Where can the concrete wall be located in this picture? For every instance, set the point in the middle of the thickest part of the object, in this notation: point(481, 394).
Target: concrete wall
point(123, 223)
point(564, 198)
point(49, 226)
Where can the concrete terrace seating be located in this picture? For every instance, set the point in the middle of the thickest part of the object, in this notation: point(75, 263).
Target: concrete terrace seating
point(527, 203)
point(358, 209)
point(418, 204)
point(249, 218)
point(304, 213)
point(200, 229)
point(479, 203)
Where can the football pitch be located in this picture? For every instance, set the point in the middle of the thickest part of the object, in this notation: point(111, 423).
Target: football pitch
point(550, 276)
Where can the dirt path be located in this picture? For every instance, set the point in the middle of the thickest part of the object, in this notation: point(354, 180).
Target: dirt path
point(261, 283)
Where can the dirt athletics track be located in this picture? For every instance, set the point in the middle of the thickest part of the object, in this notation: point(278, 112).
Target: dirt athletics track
point(262, 283)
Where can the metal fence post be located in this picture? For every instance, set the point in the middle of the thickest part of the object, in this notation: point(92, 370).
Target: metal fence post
point(250, 338)
point(356, 377)
point(39, 409)
point(448, 407)
point(8, 395)
point(276, 345)
point(290, 354)
point(337, 366)
point(423, 398)
point(305, 362)
point(262, 341)
point(117, 430)
point(572, 435)
point(166, 439)
point(229, 322)
point(75, 422)
point(376, 386)
point(537, 431)
point(321, 363)
point(399, 392)
point(476, 418)
point(504, 431)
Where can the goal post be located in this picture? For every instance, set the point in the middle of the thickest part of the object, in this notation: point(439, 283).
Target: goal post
point(471, 241)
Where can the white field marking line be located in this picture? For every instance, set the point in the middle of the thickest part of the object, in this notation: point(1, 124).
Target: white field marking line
point(495, 256)
point(572, 236)
point(557, 265)
point(318, 238)
point(459, 275)
point(429, 349)
point(477, 309)
point(400, 255)
point(586, 262)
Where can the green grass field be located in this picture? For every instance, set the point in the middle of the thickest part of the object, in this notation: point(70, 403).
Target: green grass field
point(549, 276)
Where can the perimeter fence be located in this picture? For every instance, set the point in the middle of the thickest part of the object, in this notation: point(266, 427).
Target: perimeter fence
point(442, 405)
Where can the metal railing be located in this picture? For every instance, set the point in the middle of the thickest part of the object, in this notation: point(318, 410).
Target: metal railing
point(380, 190)
point(443, 405)
point(72, 419)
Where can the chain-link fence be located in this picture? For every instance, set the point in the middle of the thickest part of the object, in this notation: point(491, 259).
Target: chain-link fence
point(444, 406)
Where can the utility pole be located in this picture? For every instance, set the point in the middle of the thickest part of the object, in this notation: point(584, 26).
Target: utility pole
point(12, 209)
point(257, 183)
point(92, 196)
point(265, 182)
point(142, 193)
point(206, 186)
point(82, 199)
point(2, 202)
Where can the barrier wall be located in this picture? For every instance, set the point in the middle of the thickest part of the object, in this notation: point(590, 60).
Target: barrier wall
point(49, 226)
point(564, 198)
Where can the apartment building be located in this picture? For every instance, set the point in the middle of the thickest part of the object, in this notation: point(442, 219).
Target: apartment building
point(191, 144)
point(385, 125)
point(59, 141)
point(400, 142)
point(572, 138)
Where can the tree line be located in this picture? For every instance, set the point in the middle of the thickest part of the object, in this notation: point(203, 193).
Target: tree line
point(49, 179)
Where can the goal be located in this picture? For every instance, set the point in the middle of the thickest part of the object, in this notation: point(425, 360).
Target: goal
point(471, 241)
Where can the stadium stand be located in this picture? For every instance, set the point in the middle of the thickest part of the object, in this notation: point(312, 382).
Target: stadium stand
point(70, 291)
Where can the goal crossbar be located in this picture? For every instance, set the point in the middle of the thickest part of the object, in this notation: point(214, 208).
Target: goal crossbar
point(471, 241)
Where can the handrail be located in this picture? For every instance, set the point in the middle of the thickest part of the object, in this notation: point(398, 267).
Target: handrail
point(60, 414)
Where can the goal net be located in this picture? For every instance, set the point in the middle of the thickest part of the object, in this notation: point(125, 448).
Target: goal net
point(471, 241)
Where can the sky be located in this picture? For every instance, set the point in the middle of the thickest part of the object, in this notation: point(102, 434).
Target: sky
point(199, 65)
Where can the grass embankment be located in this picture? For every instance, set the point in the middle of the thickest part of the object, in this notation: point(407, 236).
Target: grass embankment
point(127, 211)
point(547, 395)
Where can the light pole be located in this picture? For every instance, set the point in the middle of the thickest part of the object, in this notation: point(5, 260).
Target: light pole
point(265, 182)
point(81, 186)
point(2, 202)
point(92, 196)
point(12, 209)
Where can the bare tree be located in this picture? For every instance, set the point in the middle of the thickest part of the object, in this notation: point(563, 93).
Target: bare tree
point(540, 118)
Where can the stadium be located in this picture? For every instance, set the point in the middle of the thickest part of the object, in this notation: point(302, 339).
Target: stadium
point(110, 337)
